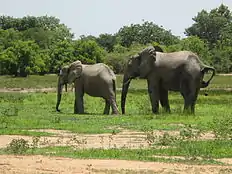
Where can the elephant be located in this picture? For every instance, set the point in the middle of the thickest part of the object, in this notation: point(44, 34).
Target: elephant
point(180, 71)
point(96, 80)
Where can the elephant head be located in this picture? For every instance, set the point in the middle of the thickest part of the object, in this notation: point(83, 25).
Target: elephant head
point(137, 66)
point(68, 74)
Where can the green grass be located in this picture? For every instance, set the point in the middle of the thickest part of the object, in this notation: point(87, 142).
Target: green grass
point(50, 81)
point(37, 110)
point(23, 132)
point(21, 112)
point(33, 81)
point(207, 150)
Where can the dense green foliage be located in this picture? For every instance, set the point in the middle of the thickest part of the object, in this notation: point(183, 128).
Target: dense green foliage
point(40, 45)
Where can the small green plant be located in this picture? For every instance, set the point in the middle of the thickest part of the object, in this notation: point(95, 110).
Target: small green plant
point(102, 141)
point(10, 111)
point(18, 146)
point(150, 137)
point(166, 139)
point(35, 143)
point(188, 132)
point(77, 143)
point(4, 121)
point(56, 119)
point(110, 140)
point(222, 127)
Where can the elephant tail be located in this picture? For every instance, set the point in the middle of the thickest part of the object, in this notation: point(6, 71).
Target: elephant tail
point(203, 71)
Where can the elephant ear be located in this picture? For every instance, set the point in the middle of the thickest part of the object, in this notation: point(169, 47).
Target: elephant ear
point(147, 60)
point(158, 48)
point(74, 71)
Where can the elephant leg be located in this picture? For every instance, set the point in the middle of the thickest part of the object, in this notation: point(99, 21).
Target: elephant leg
point(164, 99)
point(190, 93)
point(79, 94)
point(153, 91)
point(75, 107)
point(107, 107)
point(114, 107)
point(194, 99)
point(184, 89)
point(80, 104)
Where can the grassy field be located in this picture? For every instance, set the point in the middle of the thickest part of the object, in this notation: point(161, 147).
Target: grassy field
point(50, 81)
point(21, 112)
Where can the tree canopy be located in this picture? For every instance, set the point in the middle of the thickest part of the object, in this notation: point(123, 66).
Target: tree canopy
point(40, 45)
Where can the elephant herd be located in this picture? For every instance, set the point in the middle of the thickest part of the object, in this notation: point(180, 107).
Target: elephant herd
point(181, 71)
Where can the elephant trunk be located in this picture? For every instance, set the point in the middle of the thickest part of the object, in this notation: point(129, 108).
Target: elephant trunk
point(59, 94)
point(126, 83)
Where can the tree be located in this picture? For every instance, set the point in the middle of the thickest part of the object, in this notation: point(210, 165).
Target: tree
point(44, 38)
point(211, 26)
point(62, 53)
point(48, 23)
point(8, 37)
point(88, 51)
point(22, 58)
point(196, 45)
point(145, 33)
point(107, 41)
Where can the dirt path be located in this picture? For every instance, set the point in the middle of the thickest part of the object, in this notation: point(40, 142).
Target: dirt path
point(46, 90)
point(124, 139)
point(10, 164)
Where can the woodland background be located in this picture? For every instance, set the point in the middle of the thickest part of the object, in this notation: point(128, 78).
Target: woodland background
point(41, 45)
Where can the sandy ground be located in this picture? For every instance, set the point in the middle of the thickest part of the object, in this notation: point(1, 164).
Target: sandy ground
point(10, 164)
point(51, 165)
point(123, 139)
point(46, 90)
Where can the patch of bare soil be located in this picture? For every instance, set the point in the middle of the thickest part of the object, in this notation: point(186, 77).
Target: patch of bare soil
point(228, 74)
point(124, 139)
point(227, 161)
point(26, 90)
point(10, 164)
point(46, 90)
point(29, 90)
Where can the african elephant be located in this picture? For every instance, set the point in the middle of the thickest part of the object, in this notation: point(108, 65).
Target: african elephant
point(179, 71)
point(97, 80)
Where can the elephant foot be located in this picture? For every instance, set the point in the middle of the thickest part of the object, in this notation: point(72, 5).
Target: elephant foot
point(115, 113)
point(188, 112)
point(79, 112)
point(167, 111)
point(155, 111)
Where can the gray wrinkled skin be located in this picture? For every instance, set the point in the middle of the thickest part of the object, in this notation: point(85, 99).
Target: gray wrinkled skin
point(96, 80)
point(177, 71)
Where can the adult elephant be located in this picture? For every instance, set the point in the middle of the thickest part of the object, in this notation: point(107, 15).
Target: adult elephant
point(97, 80)
point(177, 71)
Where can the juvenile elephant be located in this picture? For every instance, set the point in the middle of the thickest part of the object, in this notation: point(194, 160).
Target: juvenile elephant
point(177, 71)
point(96, 80)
